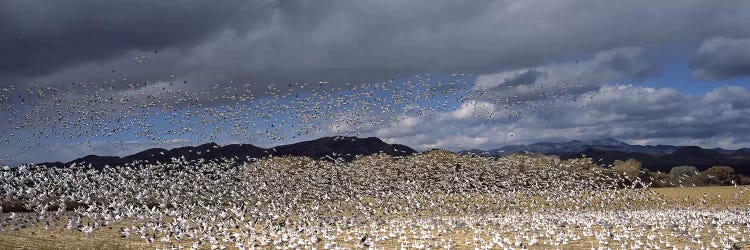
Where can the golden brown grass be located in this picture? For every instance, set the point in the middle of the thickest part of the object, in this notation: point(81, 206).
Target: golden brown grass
point(108, 237)
point(37, 237)
point(715, 196)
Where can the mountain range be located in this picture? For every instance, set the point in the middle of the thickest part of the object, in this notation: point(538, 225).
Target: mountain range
point(577, 146)
point(346, 148)
point(655, 158)
point(603, 151)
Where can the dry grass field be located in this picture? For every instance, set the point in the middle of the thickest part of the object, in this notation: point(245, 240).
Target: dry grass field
point(378, 203)
point(36, 237)
point(716, 196)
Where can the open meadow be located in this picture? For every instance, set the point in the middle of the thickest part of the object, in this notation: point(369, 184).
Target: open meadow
point(435, 200)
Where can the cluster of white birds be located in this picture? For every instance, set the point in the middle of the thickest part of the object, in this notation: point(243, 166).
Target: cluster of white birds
point(167, 109)
point(427, 201)
point(46, 116)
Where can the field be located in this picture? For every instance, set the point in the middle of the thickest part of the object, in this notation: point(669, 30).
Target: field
point(435, 200)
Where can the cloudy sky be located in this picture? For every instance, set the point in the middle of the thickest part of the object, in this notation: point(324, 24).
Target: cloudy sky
point(645, 72)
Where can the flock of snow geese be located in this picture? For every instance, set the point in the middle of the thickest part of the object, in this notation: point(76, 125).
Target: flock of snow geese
point(162, 110)
point(433, 200)
point(61, 115)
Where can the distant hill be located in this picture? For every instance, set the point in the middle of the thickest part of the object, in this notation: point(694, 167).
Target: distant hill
point(655, 158)
point(576, 146)
point(344, 147)
point(742, 153)
point(323, 148)
point(690, 155)
point(604, 151)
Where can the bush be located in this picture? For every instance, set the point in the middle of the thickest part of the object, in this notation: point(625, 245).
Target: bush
point(744, 180)
point(630, 168)
point(698, 180)
point(683, 171)
point(660, 179)
point(720, 175)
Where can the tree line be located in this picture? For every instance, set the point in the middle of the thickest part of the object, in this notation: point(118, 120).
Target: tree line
point(682, 176)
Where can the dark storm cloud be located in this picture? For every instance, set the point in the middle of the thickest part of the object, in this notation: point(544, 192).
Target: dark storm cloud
point(569, 78)
point(39, 37)
point(290, 41)
point(722, 58)
point(527, 77)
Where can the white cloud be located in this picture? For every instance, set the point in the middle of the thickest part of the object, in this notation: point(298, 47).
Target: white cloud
point(630, 113)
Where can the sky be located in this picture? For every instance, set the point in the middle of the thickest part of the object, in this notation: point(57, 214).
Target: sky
point(114, 77)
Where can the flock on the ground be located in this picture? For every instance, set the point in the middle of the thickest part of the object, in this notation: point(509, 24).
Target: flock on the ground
point(434, 200)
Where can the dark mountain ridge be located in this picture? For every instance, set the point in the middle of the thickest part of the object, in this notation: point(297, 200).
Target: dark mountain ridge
point(742, 153)
point(692, 156)
point(346, 148)
point(604, 152)
point(655, 158)
point(577, 146)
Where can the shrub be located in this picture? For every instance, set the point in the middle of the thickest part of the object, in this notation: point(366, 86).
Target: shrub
point(630, 167)
point(683, 171)
point(744, 180)
point(659, 179)
point(720, 175)
point(698, 180)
